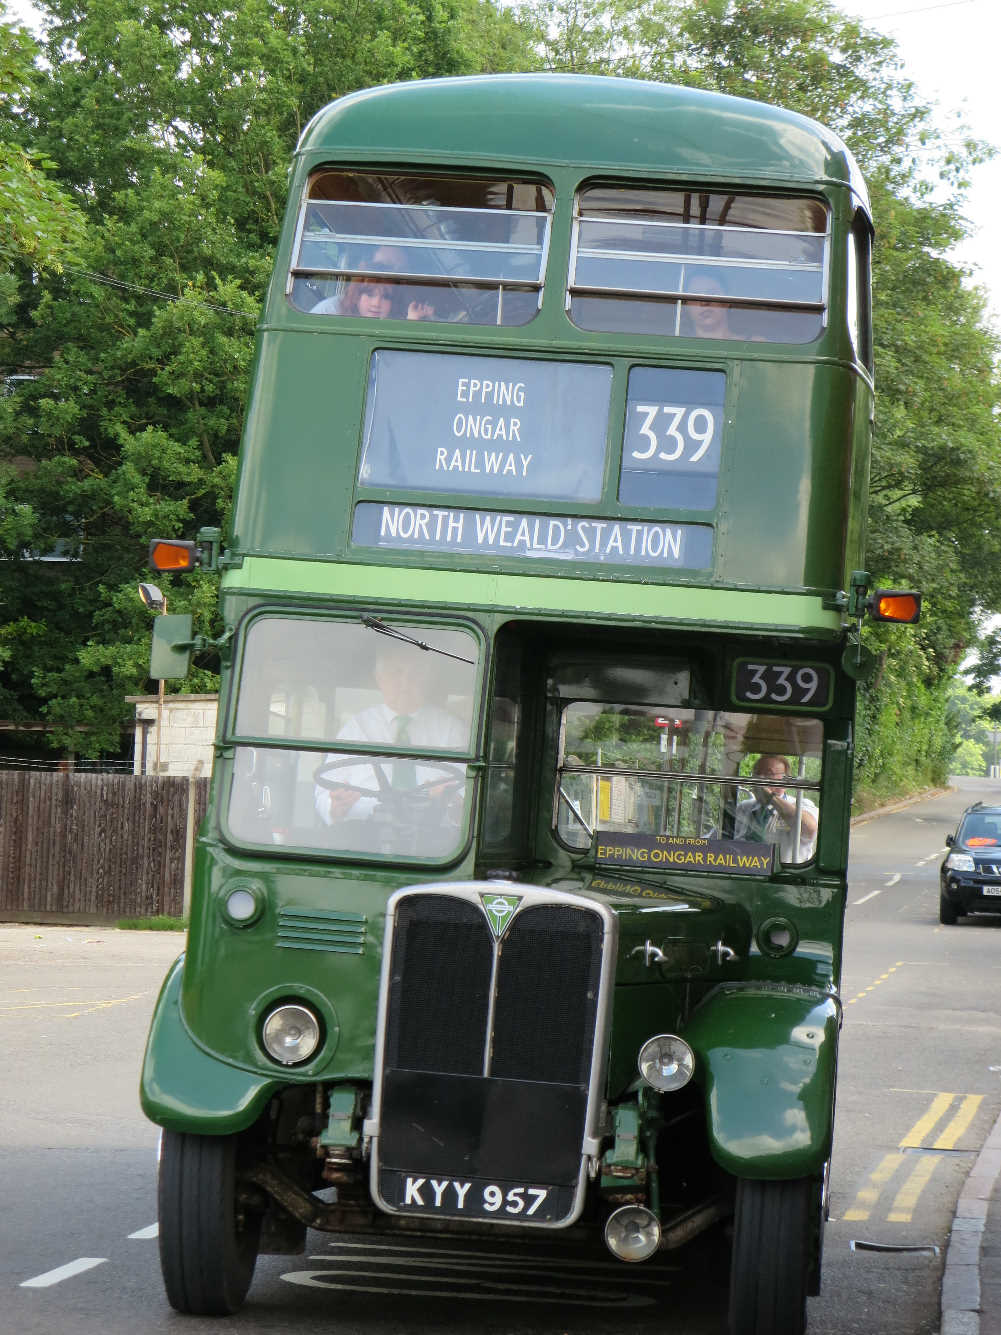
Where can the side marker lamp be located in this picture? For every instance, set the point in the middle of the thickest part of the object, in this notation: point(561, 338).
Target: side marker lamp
point(902, 606)
point(632, 1233)
point(244, 903)
point(666, 1062)
point(170, 555)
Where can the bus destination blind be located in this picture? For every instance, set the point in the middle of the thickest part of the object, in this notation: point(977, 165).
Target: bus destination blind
point(556, 537)
point(488, 426)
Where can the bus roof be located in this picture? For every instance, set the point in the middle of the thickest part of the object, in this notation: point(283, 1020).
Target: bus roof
point(597, 123)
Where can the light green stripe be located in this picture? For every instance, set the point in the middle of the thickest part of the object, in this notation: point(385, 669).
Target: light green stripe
point(466, 589)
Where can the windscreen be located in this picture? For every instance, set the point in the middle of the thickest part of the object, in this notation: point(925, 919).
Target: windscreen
point(697, 774)
point(353, 737)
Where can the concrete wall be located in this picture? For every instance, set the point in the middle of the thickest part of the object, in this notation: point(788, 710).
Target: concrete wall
point(187, 738)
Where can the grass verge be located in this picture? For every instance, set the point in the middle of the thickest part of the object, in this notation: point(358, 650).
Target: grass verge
point(160, 923)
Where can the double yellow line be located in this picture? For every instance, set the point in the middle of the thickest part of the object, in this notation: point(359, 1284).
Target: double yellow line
point(906, 1199)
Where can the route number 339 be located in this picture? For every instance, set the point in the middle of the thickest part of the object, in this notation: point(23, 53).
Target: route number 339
point(796, 685)
point(667, 432)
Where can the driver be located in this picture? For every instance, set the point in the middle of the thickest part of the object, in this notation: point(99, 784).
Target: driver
point(404, 717)
point(772, 815)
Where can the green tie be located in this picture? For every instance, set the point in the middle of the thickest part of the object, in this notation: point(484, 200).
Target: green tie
point(404, 771)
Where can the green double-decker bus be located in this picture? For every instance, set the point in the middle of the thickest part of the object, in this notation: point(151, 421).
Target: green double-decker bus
point(519, 902)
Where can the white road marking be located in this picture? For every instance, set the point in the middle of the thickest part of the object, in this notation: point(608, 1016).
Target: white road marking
point(893, 879)
point(866, 898)
point(63, 1272)
point(492, 1292)
point(153, 1231)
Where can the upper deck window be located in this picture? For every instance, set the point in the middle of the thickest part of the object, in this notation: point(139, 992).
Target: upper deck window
point(389, 246)
point(699, 264)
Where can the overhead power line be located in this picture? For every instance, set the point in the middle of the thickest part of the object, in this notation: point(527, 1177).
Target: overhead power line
point(153, 292)
point(922, 9)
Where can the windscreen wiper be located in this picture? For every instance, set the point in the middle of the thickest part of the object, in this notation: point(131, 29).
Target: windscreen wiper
point(394, 633)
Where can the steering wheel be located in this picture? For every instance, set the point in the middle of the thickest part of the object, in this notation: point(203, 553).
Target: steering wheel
point(453, 778)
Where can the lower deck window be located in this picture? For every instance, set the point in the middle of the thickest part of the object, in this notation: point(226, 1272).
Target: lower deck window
point(704, 774)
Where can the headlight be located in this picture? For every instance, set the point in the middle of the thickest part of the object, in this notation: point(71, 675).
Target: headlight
point(666, 1062)
point(290, 1034)
point(632, 1233)
point(960, 862)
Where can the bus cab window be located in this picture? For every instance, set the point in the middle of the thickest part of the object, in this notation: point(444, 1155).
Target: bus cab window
point(468, 250)
point(670, 770)
point(643, 260)
point(336, 685)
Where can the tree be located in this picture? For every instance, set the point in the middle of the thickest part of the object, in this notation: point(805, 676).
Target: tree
point(38, 222)
point(172, 128)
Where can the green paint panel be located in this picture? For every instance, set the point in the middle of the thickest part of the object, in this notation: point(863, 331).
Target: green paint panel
point(183, 1088)
point(791, 613)
point(579, 119)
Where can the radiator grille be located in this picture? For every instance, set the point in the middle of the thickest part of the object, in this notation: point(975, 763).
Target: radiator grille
point(547, 992)
point(544, 989)
point(440, 986)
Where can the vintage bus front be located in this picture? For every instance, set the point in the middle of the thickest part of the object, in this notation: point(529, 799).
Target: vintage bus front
point(519, 903)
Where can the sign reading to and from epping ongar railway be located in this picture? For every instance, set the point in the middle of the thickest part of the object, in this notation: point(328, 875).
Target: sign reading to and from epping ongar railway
point(664, 852)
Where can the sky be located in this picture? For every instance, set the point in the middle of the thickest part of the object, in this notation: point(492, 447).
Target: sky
point(950, 50)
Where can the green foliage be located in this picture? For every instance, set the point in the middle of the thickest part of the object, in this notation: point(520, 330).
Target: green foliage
point(969, 759)
point(904, 742)
point(171, 127)
point(38, 222)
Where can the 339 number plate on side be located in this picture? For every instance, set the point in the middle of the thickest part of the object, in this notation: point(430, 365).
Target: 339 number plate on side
point(473, 1198)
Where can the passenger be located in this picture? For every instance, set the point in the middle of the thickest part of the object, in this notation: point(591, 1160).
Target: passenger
point(371, 299)
point(770, 817)
point(405, 716)
point(708, 319)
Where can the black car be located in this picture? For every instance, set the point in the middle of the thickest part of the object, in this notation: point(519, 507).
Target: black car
point(971, 872)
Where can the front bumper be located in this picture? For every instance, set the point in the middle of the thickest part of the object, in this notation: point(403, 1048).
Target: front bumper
point(970, 893)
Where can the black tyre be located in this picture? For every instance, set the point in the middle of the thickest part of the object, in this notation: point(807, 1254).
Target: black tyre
point(208, 1243)
point(947, 912)
point(774, 1234)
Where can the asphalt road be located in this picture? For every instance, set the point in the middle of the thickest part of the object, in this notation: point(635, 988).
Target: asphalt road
point(920, 1088)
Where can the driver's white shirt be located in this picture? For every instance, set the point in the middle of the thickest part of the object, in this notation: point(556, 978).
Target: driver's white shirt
point(429, 726)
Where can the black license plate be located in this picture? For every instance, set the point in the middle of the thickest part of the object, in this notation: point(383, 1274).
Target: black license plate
point(474, 1198)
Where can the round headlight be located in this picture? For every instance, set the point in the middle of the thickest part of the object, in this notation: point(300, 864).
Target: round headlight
point(666, 1062)
point(632, 1233)
point(291, 1034)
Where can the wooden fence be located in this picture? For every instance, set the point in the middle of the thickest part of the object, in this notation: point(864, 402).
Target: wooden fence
point(95, 846)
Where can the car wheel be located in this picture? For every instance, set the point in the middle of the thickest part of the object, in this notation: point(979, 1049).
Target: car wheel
point(947, 912)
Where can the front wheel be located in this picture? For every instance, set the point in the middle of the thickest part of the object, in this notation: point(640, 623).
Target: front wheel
point(773, 1234)
point(947, 913)
point(208, 1240)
